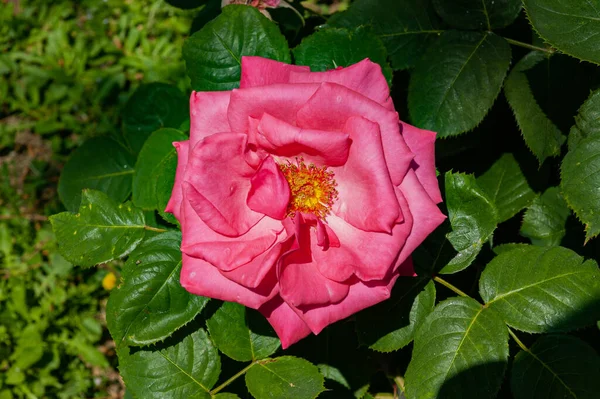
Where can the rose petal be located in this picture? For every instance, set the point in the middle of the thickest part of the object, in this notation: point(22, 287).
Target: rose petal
point(366, 196)
point(282, 139)
point(422, 144)
point(364, 77)
point(217, 182)
point(259, 71)
point(332, 105)
point(208, 113)
point(287, 324)
point(269, 192)
point(280, 100)
point(174, 204)
point(201, 278)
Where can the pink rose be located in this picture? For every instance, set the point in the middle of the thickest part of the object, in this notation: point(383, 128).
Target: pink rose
point(301, 194)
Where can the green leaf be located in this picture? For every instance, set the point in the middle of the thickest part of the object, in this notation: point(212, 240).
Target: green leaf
point(457, 80)
point(151, 304)
point(157, 151)
point(226, 395)
point(506, 186)
point(334, 47)
point(406, 27)
point(165, 179)
point(587, 121)
point(391, 324)
point(540, 290)
point(213, 55)
point(541, 135)
point(459, 343)
point(561, 366)
point(29, 348)
point(473, 217)
point(544, 221)
point(187, 369)
point(283, 378)
point(478, 14)
point(186, 4)
point(151, 107)
point(580, 177)
point(334, 374)
point(110, 172)
point(100, 232)
point(241, 336)
point(571, 26)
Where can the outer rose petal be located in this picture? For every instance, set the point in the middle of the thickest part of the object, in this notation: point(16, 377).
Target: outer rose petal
point(202, 278)
point(422, 144)
point(174, 204)
point(287, 324)
point(258, 71)
point(217, 182)
point(333, 104)
point(364, 77)
point(208, 113)
point(270, 192)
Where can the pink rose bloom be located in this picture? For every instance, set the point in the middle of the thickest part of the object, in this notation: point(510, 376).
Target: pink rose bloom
point(301, 194)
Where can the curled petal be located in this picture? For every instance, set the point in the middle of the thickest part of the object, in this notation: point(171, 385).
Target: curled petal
point(259, 71)
point(269, 192)
point(287, 324)
point(174, 204)
point(208, 113)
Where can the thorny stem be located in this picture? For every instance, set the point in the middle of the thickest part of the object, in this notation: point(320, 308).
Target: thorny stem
point(529, 46)
point(150, 228)
point(449, 286)
point(236, 376)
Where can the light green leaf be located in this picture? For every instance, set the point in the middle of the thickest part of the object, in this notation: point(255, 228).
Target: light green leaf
point(391, 324)
point(213, 55)
point(110, 172)
point(406, 27)
point(539, 290)
point(241, 336)
point(283, 378)
point(544, 221)
point(457, 81)
point(460, 342)
point(334, 47)
point(157, 151)
point(580, 178)
point(187, 369)
point(541, 135)
point(587, 121)
point(506, 186)
point(473, 217)
point(151, 107)
point(570, 26)
point(151, 304)
point(29, 348)
point(561, 366)
point(478, 14)
point(100, 232)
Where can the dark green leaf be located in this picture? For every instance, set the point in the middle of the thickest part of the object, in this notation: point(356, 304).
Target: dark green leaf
point(457, 80)
point(150, 304)
point(334, 374)
point(473, 217)
point(110, 172)
point(391, 325)
point(506, 186)
point(544, 221)
point(478, 14)
point(231, 331)
point(187, 369)
point(164, 186)
point(213, 55)
point(186, 4)
point(580, 179)
point(435, 252)
point(225, 395)
point(334, 47)
point(100, 232)
point(209, 12)
point(587, 121)
point(156, 152)
point(539, 290)
point(541, 135)
point(405, 27)
point(459, 343)
point(570, 26)
point(561, 366)
point(151, 107)
point(283, 378)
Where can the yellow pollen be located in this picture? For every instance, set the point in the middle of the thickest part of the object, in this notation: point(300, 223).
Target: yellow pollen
point(312, 188)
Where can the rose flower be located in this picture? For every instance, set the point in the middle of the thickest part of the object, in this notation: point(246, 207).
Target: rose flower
point(301, 194)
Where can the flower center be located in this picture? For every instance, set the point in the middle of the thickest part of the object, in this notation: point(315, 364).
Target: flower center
point(312, 188)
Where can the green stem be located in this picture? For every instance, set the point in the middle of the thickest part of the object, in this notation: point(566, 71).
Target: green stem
point(529, 46)
point(150, 228)
point(236, 376)
point(517, 340)
point(449, 286)
point(399, 380)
